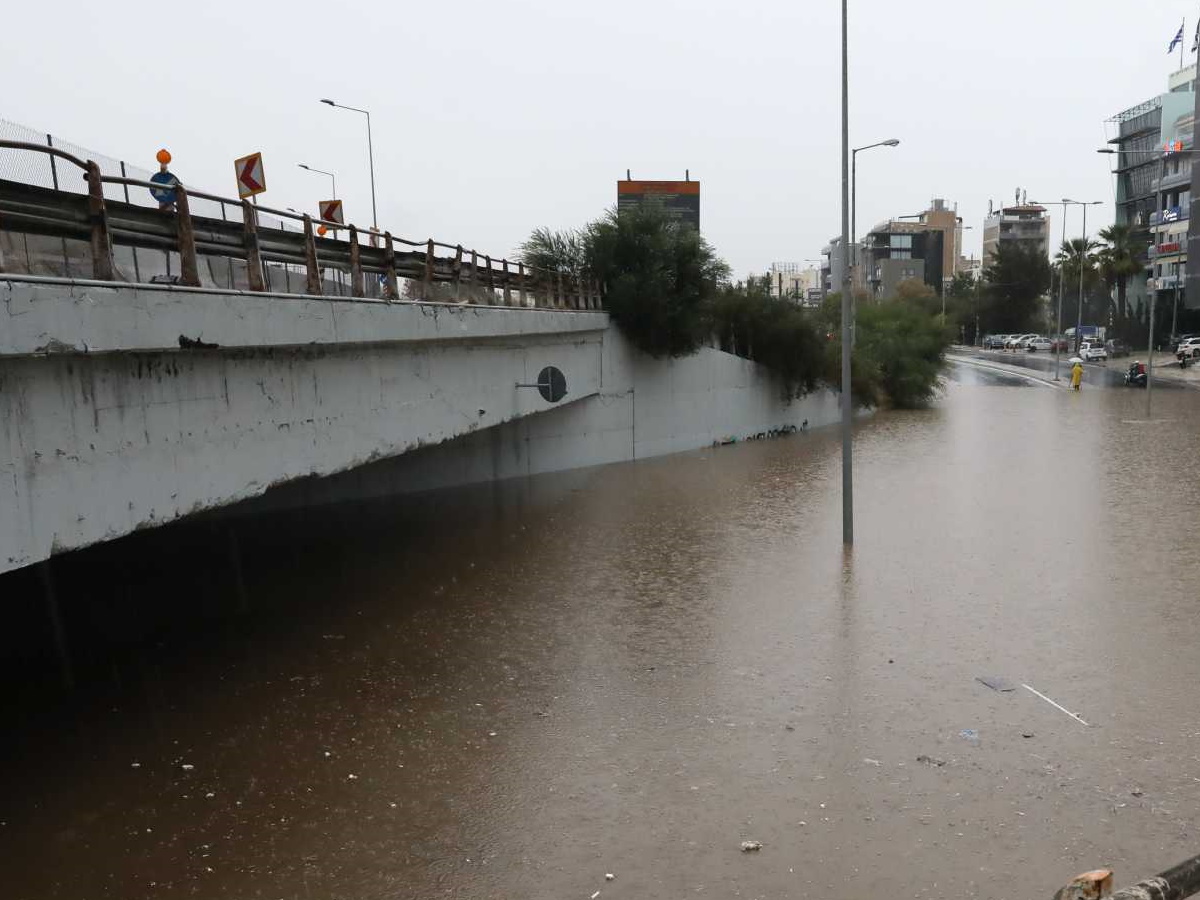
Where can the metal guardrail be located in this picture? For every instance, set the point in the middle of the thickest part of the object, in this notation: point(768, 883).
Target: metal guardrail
point(102, 223)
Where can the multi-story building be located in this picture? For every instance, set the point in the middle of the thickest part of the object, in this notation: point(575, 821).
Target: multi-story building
point(1024, 224)
point(794, 281)
point(897, 251)
point(832, 266)
point(945, 220)
point(1142, 132)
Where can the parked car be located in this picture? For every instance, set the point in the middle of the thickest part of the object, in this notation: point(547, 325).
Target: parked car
point(1188, 351)
point(1116, 348)
point(1017, 341)
point(995, 341)
point(1181, 339)
point(1039, 343)
point(1091, 350)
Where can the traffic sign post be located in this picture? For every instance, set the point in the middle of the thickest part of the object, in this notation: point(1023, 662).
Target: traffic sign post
point(331, 211)
point(248, 170)
point(164, 195)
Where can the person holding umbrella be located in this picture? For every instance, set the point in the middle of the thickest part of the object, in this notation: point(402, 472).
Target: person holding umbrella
point(1076, 373)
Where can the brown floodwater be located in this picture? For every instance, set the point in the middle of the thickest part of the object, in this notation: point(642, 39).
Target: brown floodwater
point(512, 690)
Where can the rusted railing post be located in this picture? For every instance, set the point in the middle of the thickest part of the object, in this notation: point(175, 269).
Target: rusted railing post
point(391, 289)
point(474, 276)
point(185, 235)
point(356, 274)
point(102, 261)
point(507, 289)
point(521, 276)
point(491, 278)
point(429, 269)
point(456, 267)
point(254, 265)
point(311, 270)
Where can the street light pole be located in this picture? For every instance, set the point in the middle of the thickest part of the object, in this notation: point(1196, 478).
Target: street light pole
point(1083, 247)
point(332, 177)
point(847, 400)
point(370, 155)
point(853, 249)
point(1064, 203)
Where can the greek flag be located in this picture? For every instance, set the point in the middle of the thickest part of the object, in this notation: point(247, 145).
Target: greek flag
point(1176, 41)
point(1196, 41)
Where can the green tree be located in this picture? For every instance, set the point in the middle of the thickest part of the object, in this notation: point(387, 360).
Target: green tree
point(658, 275)
point(1096, 299)
point(1120, 260)
point(899, 355)
point(1014, 282)
point(962, 306)
point(555, 251)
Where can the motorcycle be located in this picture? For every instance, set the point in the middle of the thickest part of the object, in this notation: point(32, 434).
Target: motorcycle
point(1136, 375)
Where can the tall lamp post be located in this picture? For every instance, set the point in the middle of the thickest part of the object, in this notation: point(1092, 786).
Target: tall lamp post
point(370, 155)
point(852, 250)
point(1166, 152)
point(1083, 248)
point(1064, 203)
point(847, 400)
point(332, 177)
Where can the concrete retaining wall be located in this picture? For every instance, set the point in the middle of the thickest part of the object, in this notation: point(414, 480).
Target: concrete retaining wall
point(99, 443)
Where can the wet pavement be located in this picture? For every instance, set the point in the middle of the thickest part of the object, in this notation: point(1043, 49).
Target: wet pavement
point(510, 691)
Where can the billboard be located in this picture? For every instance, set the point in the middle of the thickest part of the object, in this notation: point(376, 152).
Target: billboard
point(681, 199)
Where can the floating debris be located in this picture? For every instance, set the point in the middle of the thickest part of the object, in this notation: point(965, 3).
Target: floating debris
point(872, 762)
point(1038, 693)
point(930, 760)
point(996, 683)
point(751, 846)
point(609, 876)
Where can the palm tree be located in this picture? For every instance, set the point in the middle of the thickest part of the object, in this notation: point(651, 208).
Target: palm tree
point(1070, 257)
point(1119, 260)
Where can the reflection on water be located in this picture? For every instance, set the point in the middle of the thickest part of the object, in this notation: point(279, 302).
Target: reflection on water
point(514, 689)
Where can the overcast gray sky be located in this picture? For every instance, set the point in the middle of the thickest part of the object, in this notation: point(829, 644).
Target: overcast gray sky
point(491, 118)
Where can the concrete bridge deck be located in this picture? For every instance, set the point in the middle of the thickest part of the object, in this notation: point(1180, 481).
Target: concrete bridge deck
point(128, 406)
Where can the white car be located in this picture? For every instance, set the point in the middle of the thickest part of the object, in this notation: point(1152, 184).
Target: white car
point(1091, 350)
point(1017, 341)
point(1188, 350)
point(1039, 343)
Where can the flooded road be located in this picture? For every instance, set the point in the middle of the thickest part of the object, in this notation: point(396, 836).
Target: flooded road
point(512, 690)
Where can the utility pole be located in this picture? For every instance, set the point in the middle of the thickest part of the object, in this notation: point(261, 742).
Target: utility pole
point(847, 399)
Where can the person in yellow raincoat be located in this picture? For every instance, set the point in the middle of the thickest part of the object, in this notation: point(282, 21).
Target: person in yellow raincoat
point(1076, 376)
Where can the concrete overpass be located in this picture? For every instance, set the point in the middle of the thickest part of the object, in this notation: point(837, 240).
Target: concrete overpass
point(126, 405)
